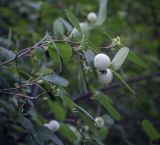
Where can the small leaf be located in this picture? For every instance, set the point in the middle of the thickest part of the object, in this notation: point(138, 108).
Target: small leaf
point(136, 59)
point(55, 46)
point(104, 98)
point(84, 111)
point(54, 78)
point(30, 140)
point(26, 123)
point(39, 138)
point(54, 55)
point(123, 81)
point(57, 110)
point(89, 55)
point(72, 18)
point(68, 102)
point(58, 27)
point(67, 133)
point(6, 54)
point(102, 12)
point(102, 132)
point(109, 106)
point(66, 24)
point(48, 133)
point(150, 130)
point(65, 52)
point(98, 141)
point(119, 58)
point(89, 123)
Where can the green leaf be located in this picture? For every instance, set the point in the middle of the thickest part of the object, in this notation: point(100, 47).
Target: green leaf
point(52, 41)
point(89, 55)
point(39, 138)
point(108, 104)
point(26, 123)
point(66, 24)
point(55, 79)
point(57, 110)
point(136, 59)
point(58, 27)
point(150, 130)
point(102, 132)
point(68, 102)
point(30, 140)
point(84, 111)
point(104, 98)
point(98, 141)
point(53, 53)
point(87, 120)
point(119, 58)
point(67, 133)
point(102, 12)
point(123, 81)
point(48, 133)
point(65, 52)
point(72, 18)
point(6, 54)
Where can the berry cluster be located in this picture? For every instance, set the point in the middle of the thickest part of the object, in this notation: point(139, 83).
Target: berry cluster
point(101, 63)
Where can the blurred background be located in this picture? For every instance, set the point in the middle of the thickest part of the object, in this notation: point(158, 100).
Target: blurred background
point(23, 23)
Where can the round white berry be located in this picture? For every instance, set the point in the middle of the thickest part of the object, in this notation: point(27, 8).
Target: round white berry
point(53, 125)
point(92, 17)
point(99, 122)
point(101, 61)
point(105, 76)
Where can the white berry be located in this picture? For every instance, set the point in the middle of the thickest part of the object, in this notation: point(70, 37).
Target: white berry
point(101, 61)
point(105, 76)
point(53, 125)
point(99, 122)
point(92, 17)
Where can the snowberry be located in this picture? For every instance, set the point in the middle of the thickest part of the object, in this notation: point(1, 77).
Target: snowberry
point(105, 76)
point(99, 122)
point(53, 125)
point(101, 61)
point(92, 17)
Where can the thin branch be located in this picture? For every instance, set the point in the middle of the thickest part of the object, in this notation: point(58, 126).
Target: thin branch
point(83, 137)
point(119, 85)
point(24, 52)
point(43, 42)
point(24, 96)
point(30, 83)
point(68, 41)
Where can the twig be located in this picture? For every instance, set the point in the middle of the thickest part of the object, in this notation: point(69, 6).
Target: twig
point(68, 41)
point(118, 85)
point(33, 82)
point(23, 52)
point(24, 96)
point(83, 137)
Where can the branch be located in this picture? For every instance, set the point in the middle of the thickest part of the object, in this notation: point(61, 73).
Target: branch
point(24, 52)
point(30, 83)
point(24, 96)
point(119, 85)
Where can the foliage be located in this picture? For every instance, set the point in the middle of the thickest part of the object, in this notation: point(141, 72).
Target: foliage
point(47, 72)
